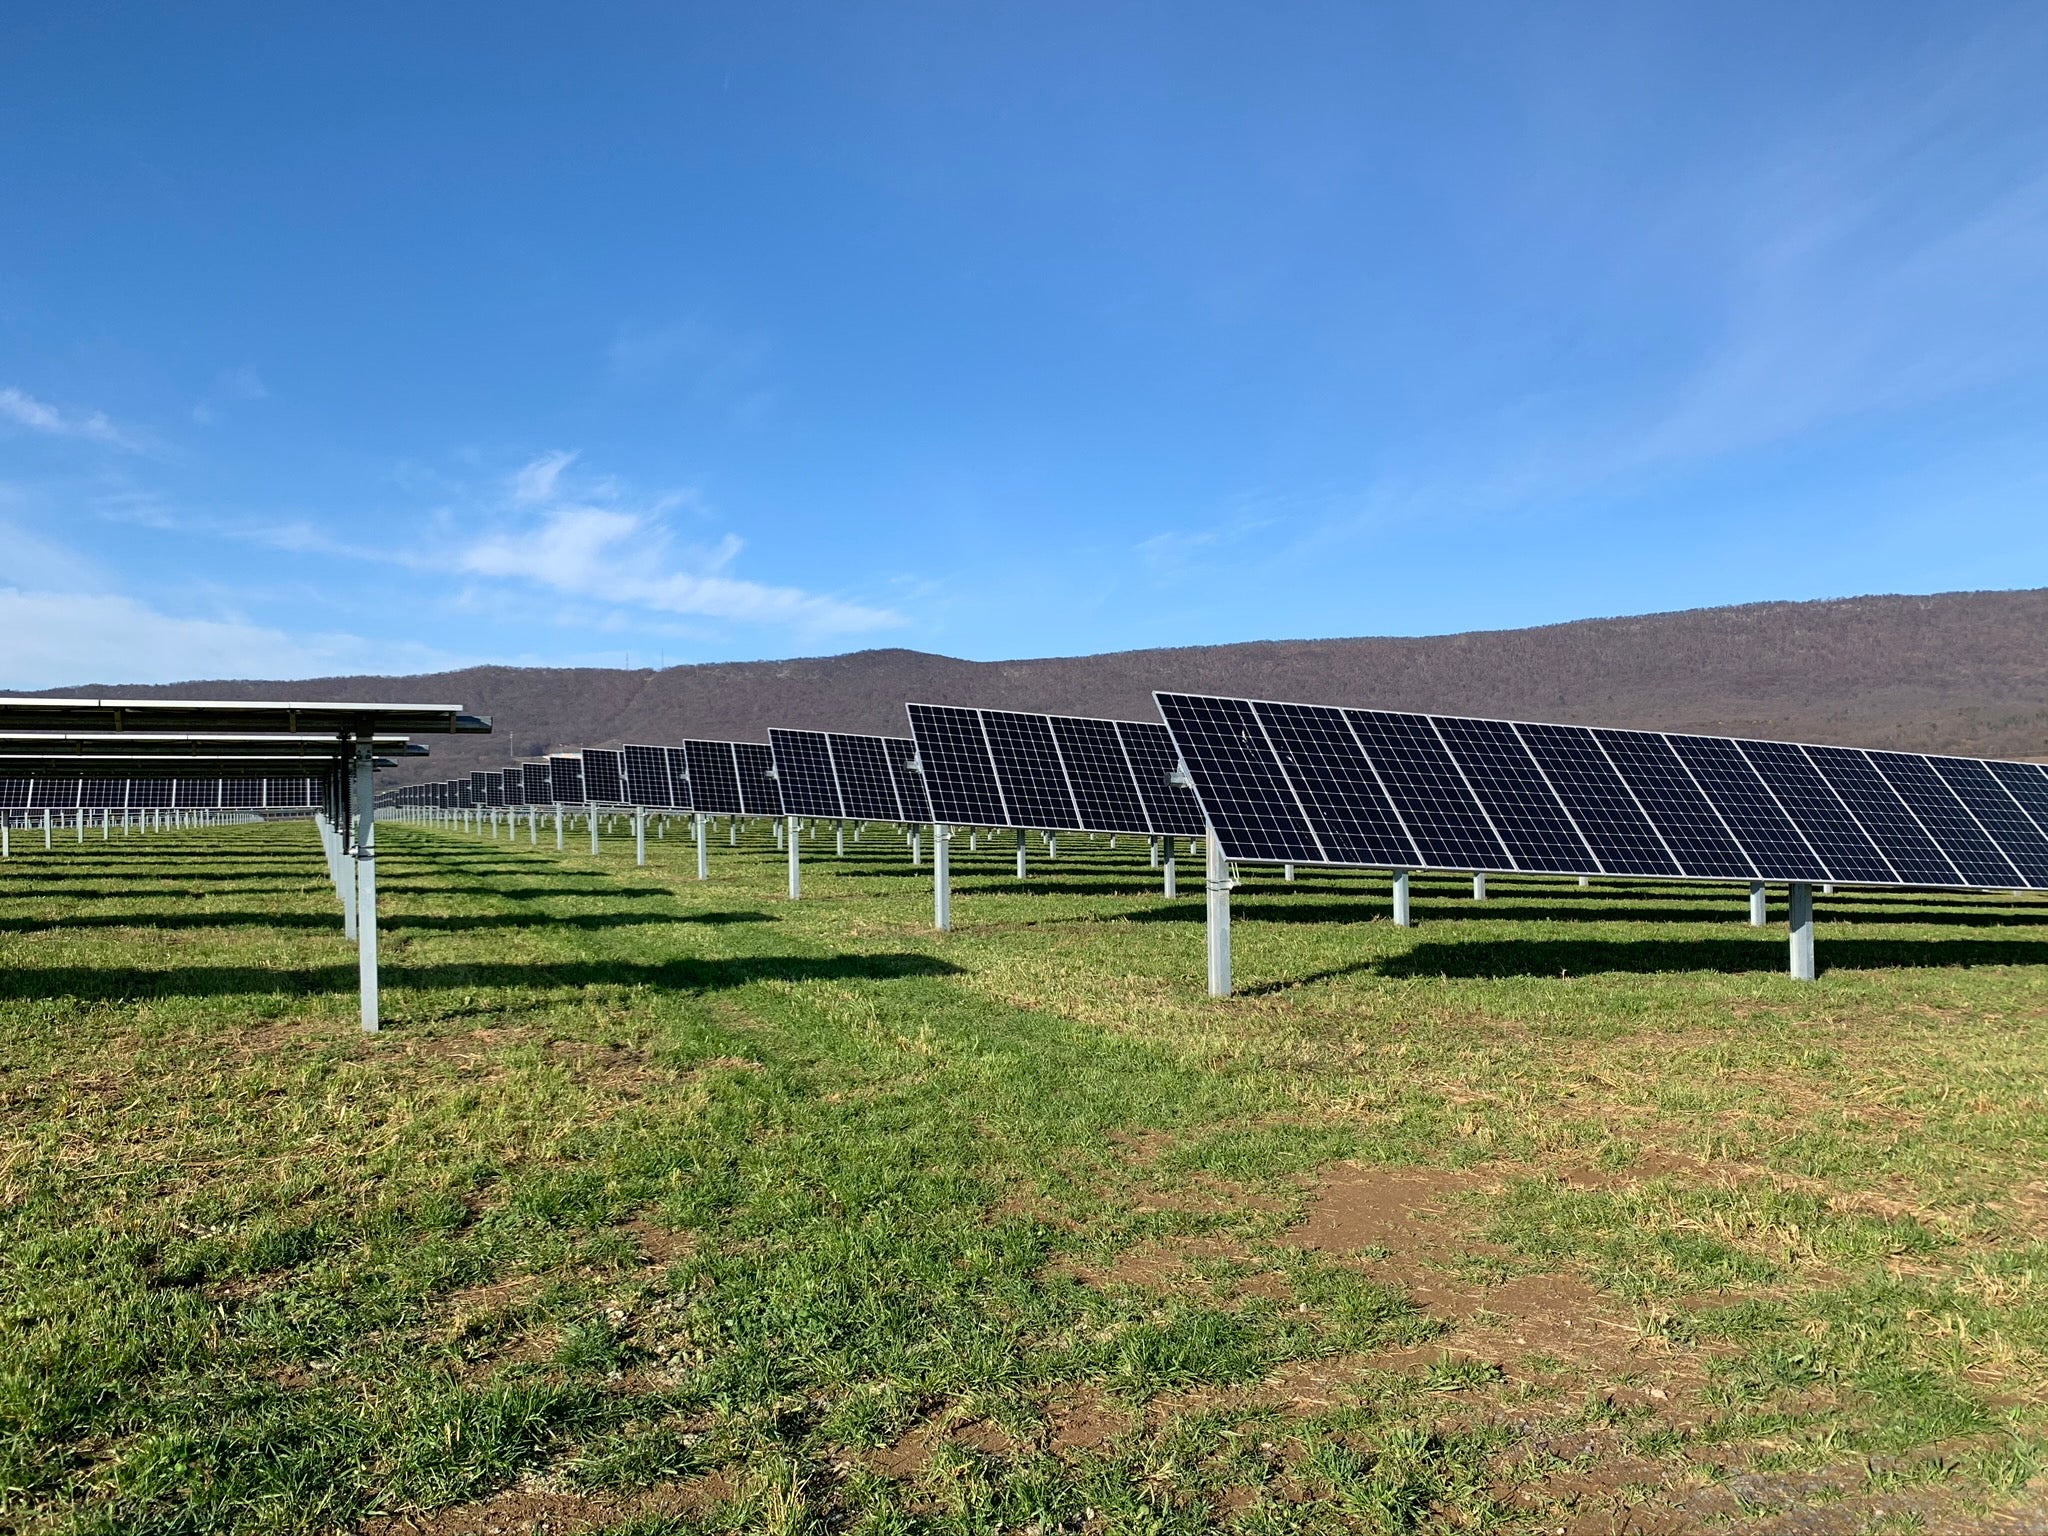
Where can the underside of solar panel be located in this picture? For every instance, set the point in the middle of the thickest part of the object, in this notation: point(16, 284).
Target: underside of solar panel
point(1315, 784)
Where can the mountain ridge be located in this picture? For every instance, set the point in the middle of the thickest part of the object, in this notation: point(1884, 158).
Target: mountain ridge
point(1956, 671)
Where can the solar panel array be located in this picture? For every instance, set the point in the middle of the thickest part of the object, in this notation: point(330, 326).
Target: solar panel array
point(831, 776)
point(1053, 773)
point(1313, 784)
point(94, 792)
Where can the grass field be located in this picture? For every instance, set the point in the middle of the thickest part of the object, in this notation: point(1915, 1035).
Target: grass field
point(663, 1206)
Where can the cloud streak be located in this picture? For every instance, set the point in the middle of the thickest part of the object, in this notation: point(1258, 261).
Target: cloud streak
point(26, 411)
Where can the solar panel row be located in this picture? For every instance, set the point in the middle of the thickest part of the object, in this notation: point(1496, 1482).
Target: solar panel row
point(238, 791)
point(1054, 773)
point(1312, 784)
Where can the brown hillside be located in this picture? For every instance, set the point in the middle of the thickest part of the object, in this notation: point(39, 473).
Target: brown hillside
point(1962, 671)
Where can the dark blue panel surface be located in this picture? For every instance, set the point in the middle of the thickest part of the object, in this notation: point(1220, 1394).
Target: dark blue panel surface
point(1600, 804)
point(1528, 816)
point(1240, 784)
point(1334, 783)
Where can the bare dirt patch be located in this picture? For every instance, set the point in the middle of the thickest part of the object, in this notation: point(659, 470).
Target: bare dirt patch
point(535, 1509)
point(912, 1452)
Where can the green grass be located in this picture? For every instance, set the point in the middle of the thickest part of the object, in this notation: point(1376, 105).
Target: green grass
point(672, 1206)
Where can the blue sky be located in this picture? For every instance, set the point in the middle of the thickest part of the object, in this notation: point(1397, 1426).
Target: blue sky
point(386, 339)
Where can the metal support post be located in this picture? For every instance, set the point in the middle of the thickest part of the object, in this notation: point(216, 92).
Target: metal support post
point(532, 827)
point(916, 848)
point(558, 829)
point(842, 840)
point(1218, 883)
point(1479, 887)
point(639, 837)
point(703, 855)
point(1023, 869)
point(795, 845)
point(592, 819)
point(1802, 931)
point(942, 878)
point(778, 833)
point(1052, 845)
point(732, 828)
point(1287, 873)
point(1759, 904)
point(1169, 882)
point(46, 831)
point(1402, 916)
point(1152, 854)
point(1585, 880)
point(366, 884)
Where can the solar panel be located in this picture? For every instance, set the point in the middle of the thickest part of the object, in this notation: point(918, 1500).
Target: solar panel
point(867, 783)
point(1312, 784)
point(1104, 791)
point(678, 778)
point(1519, 803)
point(1170, 807)
point(803, 773)
point(958, 776)
point(289, 794)
point(539, 783)
point(14, 794)
point(604, 776)
point(241, 793)
point(714, 777)
point(483, 788)
point(511, 787)
point(911, 791)
point(647, 781)
point(149, 794)
point(109, 794)
point(755, 765)
point(1027, 764)
point(565, 779)
point(196, 794)
point(1692, 829)
point(54, 795)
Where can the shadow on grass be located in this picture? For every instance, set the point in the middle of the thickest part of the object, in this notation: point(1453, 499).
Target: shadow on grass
point(114, 983)
point(1566, 958)
point(320, 921)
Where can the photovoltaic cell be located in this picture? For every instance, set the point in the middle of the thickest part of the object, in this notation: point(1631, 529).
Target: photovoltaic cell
point(959, 778)
point(2028, 784)
point(804, 776)
point(14, 794)
point(1028, 764)
point(1774, 845)
point(112, 794)
point(1525, 812)
point(197, 794)
point(755, 765)
point(1600, 805)
point(1998, 813)
point(238, 793)
point(1428, 792)
point(1249, 804)
point(1335, 786)
point(539, 783)
point(1946, 820)
point(1819, 814)
point(714, 778)
point(511, 787)
point(867, 784)
point(149, 794)
point(280, 794)
point(1105, 795)
point(1171, 808)
point(55, 795)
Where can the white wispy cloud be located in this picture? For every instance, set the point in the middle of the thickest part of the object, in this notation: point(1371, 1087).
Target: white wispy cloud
point(26, 411)
point(57, 639)
point(629, 556)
